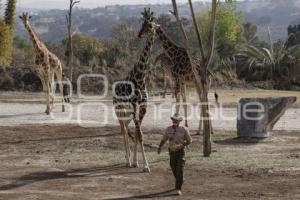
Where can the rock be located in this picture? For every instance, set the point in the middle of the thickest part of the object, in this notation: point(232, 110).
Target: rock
point(257, 116)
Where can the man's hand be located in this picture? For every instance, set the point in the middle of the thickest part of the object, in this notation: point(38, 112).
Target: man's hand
point(179, 146)
point(160, 146)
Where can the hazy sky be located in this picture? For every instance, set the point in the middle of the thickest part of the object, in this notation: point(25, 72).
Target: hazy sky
point(86, 3)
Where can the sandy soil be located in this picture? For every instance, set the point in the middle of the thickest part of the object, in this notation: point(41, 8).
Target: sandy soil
point(51, 162)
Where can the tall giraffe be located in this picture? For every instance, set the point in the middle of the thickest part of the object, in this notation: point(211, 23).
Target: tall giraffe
point(181, 68)
point(130, 95)
point(46, 65)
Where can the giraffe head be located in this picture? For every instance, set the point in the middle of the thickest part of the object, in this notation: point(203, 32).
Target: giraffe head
point(25, 17)
point(148, 26)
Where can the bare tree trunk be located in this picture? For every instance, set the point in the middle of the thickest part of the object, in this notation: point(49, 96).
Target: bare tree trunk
point(205, 109)
point(69, 50)
point(201, 76)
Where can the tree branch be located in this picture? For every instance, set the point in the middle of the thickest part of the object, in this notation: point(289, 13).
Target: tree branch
point(74, 3)
point(212, 34)
point(67, 18)
point(197, 31)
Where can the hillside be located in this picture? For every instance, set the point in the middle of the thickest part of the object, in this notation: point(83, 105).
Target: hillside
point(51, 24)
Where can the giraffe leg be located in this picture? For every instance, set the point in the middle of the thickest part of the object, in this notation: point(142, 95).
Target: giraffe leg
point(41, 77)
point(59, 79)
point(139, 138)
point(135, 149)
point(142, 113)
point(48, 109)
point(52, 88)
point(165, 87)
point(43, 84)
point(45, 92)
point(172, 87)
point(124, 131)
point(183, 94)
point(122, 115)
point(146, 165)
point(136, 139)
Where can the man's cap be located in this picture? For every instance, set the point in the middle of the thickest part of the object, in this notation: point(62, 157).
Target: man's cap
point(176, 117)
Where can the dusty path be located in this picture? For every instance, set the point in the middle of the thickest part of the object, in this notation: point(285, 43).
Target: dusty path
point(90, 114)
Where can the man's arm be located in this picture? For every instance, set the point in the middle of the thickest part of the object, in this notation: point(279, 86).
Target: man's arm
point(188, 138)
point(162, 142)
point(160, 146)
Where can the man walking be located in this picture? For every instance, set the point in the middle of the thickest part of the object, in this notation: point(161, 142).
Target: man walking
point(178, 137)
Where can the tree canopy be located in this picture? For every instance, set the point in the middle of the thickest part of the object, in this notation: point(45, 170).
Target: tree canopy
point(86, 48)
point(228, 27)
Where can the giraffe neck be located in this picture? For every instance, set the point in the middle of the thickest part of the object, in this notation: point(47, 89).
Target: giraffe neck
point(38, 45)
point(137, 75)
point(144, 57)
point(168, 45)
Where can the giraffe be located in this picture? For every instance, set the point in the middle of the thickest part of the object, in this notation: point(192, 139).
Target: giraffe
point(130, 95)
point(181, 69)
point(166, 65)
point(46, 65)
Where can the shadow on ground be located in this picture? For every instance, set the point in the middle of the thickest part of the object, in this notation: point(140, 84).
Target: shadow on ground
point(19, 115)
point(168, 193)
point(237, 140)
point(75, 173)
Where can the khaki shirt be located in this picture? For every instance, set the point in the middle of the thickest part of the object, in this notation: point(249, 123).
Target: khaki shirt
point(175, 136)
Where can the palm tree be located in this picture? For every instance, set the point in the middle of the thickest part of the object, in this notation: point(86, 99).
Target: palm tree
point(271, 61)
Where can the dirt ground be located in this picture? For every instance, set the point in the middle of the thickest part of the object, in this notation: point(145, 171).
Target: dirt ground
point(51, 158)
point(55, 162)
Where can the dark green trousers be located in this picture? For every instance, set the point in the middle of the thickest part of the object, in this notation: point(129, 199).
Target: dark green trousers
point(177, 162)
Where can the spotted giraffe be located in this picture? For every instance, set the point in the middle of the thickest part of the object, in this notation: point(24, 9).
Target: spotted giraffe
point(46, 65)
point(181, 68)
point(166, 65)
point(130, 95)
